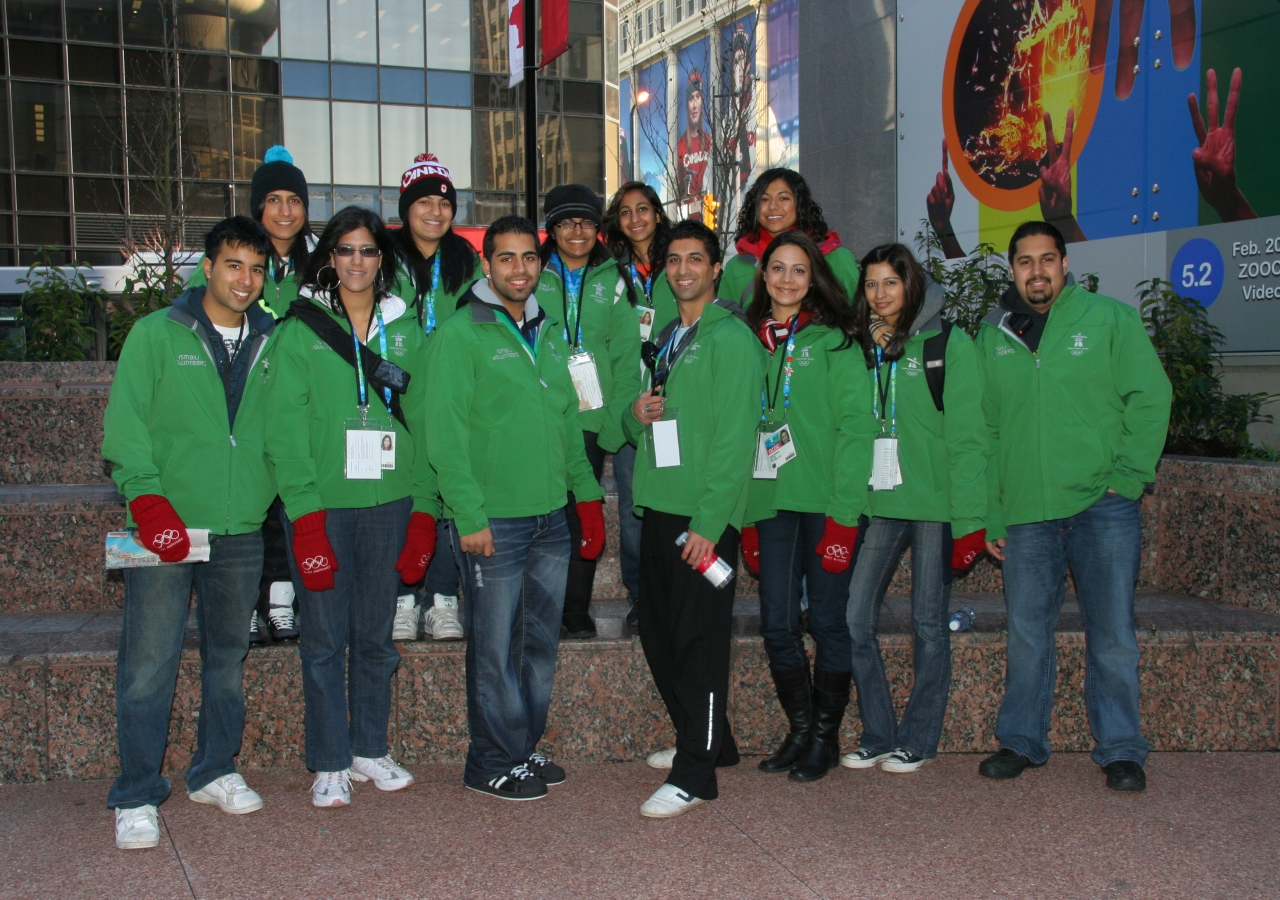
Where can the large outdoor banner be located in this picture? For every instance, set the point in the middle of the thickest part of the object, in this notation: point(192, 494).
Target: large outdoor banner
point(693, 147)
point(1137, 126)
point(653, 136)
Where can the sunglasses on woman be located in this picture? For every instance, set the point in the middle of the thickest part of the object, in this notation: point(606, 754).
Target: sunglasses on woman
point(345, 250)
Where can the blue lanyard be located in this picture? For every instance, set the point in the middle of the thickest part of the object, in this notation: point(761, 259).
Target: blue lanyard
point(361, 387)
point(785, 370)
point(646, 285)
point(430, 298)
point(572, 304)
point(893, 395)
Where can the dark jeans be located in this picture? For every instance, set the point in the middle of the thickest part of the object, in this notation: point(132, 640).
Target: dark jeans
point(788, 545)
point(275, 555)
point(883, 544)
point(624, 469)
point(345, 643)
point(686, 626)
point(582, 572)
point(442, 575)
point(514, 602)
point(1103, 547)
point(156, 601)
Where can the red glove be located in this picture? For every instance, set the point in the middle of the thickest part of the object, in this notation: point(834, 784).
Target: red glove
point(314, 555)
point(751, 549)
point(591, 517)
point(160, 528)
point(836, 546)
point(966, 550)
point(419, 547)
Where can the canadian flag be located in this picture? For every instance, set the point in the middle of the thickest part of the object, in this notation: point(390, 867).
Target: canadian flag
point(555, 34)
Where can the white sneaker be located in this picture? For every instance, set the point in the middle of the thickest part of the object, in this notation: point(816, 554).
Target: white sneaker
point(331, 789)
point(384, 773)
point(863, 759)
point(662, 759)
point(137, 829)
point(902, 761)
point(442, 619)
point(668, 802)
point(406, 623)
point(230, 794)
point(280, 615)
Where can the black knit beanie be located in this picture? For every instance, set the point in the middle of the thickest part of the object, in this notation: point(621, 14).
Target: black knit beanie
point(572, 201)
point(277, 173)
point(427, 177)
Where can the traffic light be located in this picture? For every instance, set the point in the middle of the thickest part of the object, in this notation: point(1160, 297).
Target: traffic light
point(709, 207)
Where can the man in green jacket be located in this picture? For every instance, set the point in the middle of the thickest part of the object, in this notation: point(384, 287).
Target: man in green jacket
point(503, 436)
point(184, 433)
point(696, 432)
point(1077, 409)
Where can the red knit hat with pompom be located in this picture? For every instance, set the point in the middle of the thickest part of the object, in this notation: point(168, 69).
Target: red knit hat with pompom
point(427, 177)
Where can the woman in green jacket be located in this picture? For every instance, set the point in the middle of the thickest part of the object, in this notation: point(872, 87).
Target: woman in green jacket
point(806, 510)
point(346, 443)
point(779, 201)
point(582, 286)
point(928, 492)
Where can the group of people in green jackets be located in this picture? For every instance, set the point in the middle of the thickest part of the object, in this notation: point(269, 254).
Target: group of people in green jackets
point(413, 420)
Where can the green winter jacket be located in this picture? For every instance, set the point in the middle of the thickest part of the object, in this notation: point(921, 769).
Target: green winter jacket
point(942, 455)
point(505, 436)
point(1087, 412)
point(445, 302)
point(275, 298)
point(832, 427)
point(740, 272)
point(714, 392)
point(611, 333)
point(313, 397)
point(166, 428)
point(660, 298)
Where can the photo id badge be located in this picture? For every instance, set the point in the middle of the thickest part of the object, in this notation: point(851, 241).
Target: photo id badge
point(780, 446)
point(885, 474)
point(364, 450)
point(646, 322)
point(586, 381)
point(388, 451)
point(762, 469)
point(664, 441)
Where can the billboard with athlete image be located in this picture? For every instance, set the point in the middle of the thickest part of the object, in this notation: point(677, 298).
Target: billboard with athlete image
point(693, 146)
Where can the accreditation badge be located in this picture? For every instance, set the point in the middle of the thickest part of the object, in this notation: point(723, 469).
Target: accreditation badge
point(646, 321)
point(780, 446)
point(586, 381)
point(885, 474)
point(664, 440)
point(364, 450)
point(762, 469)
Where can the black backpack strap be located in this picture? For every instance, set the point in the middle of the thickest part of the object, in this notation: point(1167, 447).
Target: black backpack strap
point(380, 372)
point(935, 363)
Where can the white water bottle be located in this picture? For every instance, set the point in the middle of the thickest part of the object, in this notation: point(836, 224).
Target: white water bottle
point(715, 570)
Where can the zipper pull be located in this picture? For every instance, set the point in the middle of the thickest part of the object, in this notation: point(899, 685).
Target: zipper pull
point(1037, 356)
point(233, 440)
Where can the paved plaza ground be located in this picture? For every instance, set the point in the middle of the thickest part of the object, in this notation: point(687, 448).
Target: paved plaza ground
point(1208, 826)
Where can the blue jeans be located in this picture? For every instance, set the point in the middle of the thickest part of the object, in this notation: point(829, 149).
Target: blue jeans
point(515, 599)
point(883, 545)
point(345, 643)
point(156, 601)
point(1103, 547)
point(629, 524)
point(442, 574)
point(788, 545)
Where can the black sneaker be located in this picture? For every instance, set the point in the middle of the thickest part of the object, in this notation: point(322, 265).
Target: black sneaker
point(1005, 764)
point(1125, 775)
point(545, 769)
point(255, 634)
point(633, 618)
point(577, 627)
point(518, 784)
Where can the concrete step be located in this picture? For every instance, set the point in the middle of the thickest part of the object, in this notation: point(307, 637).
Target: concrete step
point(51, 422)
point(1210, 678)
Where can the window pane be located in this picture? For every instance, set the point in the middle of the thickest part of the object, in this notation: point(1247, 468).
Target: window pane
point(100, 64)
point(306, 134)
point(152, 145)
point(400, 32)
point(35, 59)
point(353, 31)
point(548, 95)
point(611, 45)
point(206, 200)
point(583, 97)
point(99, 195)
point(355, 82)
point(448, 89)
point(305, 79)
point(583, 147)
point(369, 198)
point(355, 153)
point(255, 126)
point(495, 151)
point(256, 32)
point(489, 52)
point(93, 20)
point(54, 230)
point(404, 136)
point(319, 206)
point(449, 34)
point(42, 18)
point(256, 76)
point(304, 29)
point(42, 193)
point(206, 144)
point(149, 197)
point(147, 68)
point(449, 137)
point(39, 127)
point(491, 92)
point(4, 145)
point(202, 30)
point(95, 130)
point(204, 73)
point(403, 86)
point(144, 23)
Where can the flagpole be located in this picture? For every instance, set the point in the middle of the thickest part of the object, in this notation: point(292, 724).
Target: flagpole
point(531, 109)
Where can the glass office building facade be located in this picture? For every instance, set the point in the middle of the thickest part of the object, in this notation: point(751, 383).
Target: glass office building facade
point(103, 99)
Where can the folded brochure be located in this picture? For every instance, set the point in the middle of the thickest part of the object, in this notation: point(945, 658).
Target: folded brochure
point(124, 551)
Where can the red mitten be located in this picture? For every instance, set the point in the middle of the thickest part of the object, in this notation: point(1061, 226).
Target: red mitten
point(836, 546)
point(751, 549)
point(160, 528)
point(419, 547)
point(591, 517)
point(314, 555)
point(965, 550)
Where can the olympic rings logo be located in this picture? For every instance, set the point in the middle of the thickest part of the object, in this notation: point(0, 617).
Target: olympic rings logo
point(314, 564)
point(836, 552)
point(166, 539)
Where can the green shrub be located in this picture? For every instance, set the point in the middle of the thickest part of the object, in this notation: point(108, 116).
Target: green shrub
point(973, 285)
point(153, 287)
point(58, 306)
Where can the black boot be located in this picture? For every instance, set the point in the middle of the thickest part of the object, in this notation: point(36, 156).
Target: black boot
point(830, 697)
point(797, 702)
